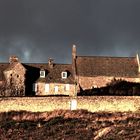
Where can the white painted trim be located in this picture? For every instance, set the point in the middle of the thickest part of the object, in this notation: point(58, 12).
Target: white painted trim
point(62, 75)
point(42, 73)
point(67, 87)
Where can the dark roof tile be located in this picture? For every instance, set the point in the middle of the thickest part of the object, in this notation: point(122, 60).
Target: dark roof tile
point(53, 75)
point(107, 66)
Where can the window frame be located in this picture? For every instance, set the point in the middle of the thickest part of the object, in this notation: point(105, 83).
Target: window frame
point(64, 73)
point(42, 71)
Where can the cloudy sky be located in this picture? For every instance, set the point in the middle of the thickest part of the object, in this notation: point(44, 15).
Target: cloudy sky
point(35, 30)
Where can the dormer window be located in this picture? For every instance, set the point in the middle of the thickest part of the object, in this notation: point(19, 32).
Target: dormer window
point(42, 73)
point(64, 75)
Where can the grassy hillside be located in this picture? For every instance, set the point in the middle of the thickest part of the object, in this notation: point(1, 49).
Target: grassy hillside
point(69, 125)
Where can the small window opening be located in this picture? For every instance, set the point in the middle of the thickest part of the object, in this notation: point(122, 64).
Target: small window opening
point(42, 74)
point(64, 75)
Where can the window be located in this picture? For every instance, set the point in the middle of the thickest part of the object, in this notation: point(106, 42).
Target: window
point(56, 89)
point(64, 75)
point(35, 87)
point(67, 87)
point(95, 86)
point(42, 74)
point(46, 87)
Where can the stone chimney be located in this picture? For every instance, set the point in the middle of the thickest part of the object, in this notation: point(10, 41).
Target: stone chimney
point(74, 61)
point(13, 59)
point(74, 52)
point(50, 62)
point(138, 62)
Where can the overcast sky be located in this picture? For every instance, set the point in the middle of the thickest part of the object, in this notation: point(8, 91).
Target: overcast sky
point(35, 30)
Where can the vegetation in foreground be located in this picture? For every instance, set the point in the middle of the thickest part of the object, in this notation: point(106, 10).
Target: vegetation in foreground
point(69, 125)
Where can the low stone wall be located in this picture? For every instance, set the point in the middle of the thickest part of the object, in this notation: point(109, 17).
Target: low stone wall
point(93, 104)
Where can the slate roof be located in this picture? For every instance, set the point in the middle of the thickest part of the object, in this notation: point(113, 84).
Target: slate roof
point(89, 66)
point(53, 75)
point(107, 66)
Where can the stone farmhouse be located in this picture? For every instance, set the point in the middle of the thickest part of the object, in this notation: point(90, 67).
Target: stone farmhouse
point(85, 72)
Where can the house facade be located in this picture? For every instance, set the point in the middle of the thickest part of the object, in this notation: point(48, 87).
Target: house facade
point(85, 72)
point(56, 79)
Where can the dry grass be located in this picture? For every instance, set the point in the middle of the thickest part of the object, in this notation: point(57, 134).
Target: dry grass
point(70, 125)
point(41, 118)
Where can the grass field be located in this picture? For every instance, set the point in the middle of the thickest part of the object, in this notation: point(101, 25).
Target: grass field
point(69, 125)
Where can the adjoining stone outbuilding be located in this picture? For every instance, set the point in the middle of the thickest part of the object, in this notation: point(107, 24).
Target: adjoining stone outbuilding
point(13, 75)
point(99, 71)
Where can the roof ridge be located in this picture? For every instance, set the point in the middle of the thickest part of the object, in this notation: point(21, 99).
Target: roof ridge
point(2, 63)
point(107, 56)
point(44, 63)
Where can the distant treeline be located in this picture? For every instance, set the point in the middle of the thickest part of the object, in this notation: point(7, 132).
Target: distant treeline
point(114, 88)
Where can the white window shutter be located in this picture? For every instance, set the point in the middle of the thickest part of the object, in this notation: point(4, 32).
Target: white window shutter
point(35, 87)
point(56, 89)
point(46, 87)
point(67, 87)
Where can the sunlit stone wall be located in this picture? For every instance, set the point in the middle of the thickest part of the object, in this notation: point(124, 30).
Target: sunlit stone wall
point(93, 104)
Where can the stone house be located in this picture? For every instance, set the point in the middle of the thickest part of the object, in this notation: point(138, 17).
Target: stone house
point(85, 72)
point(36, 78)
point(55, 79)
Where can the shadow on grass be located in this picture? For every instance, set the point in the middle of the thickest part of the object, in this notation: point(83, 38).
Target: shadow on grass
point(60, 124)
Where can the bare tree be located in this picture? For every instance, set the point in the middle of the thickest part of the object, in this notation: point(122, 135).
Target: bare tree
point(11, 88)
point(3, 89)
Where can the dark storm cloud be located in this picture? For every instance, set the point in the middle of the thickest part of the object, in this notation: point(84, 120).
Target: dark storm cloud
point(38, 29)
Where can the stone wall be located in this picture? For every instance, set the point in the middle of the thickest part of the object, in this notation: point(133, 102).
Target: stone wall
point(100, 81)
point(15, 78)
point(1, 82)
point(93, 104)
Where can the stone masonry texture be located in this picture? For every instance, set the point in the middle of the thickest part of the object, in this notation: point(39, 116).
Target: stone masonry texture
point(93, 104)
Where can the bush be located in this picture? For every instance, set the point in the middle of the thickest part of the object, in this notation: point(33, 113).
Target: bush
point(114, 88)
